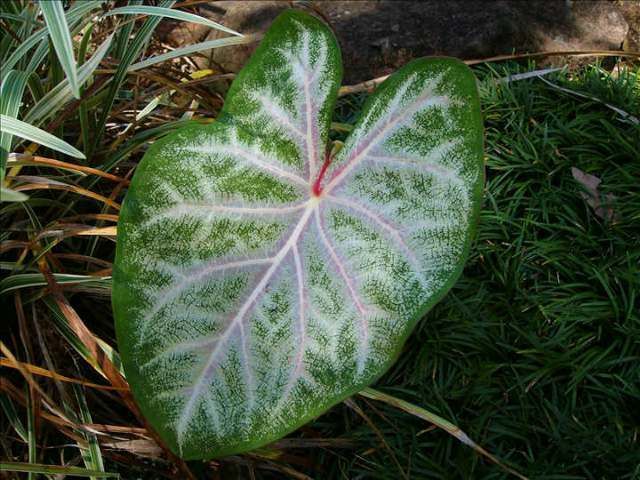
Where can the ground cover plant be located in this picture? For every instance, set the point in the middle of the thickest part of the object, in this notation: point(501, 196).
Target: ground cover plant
point(534, 352)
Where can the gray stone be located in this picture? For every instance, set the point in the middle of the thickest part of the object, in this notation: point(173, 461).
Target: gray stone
point(378, 37)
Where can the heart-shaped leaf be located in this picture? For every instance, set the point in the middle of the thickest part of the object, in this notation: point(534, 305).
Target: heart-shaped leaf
point(257, 280)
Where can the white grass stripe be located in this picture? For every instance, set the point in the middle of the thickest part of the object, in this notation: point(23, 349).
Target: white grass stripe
point(60, 35)
point(188, 50)
point(170, 13)
point(16, 127)
point(61, 93)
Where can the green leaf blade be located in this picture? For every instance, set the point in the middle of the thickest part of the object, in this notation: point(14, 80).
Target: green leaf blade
point(257, 282)
point(61, 93)
point(59, 31)
point(189, 49)
point(11, 92)
point(24, 130)
point(170, 13)
point(127, 51)
point(77, 11)
point(54, 470)
point(8, 195)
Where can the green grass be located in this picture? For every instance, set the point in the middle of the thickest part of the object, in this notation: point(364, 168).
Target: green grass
point(535, 353)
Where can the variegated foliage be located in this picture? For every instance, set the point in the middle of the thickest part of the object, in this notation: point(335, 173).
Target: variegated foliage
point(259, 281)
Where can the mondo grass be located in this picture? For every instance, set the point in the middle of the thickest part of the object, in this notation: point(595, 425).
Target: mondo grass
point(534, 354)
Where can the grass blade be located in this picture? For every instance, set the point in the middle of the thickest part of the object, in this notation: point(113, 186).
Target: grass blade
point(61, 93)
point(62, 326)
point(11, 92)
point(25, 280)
point(32, 182)
point(8, 195)
point(356, 408)
point(74, 14)
point(526, 75)
point(43, 372)
point(61, 323)
point(625, 115)
point(150, 107)
point(439, 422)
point(31, 428)
point(23, 48)
point(83, 111)
point(170, 13)
point(60, 37)
point(125, 33)
point(198, 47)
point(93, 456)
point(53, 470)
point(11, 414)
point(37, 57)
point(129, 55)
point(23, 159)
point(29, 132)
point(107, 358)
point(17, 18)
point(34, 387)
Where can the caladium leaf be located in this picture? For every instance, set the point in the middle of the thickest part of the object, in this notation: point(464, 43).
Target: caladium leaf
point(257, 280)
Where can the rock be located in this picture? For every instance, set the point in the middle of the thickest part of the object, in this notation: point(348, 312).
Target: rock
point(631, 11)
point(378, 37)
point(241, 16)
point(591, 26)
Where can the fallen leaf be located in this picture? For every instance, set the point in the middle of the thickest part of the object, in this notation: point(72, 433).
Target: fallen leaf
point(592, 196)
point(142, 447)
